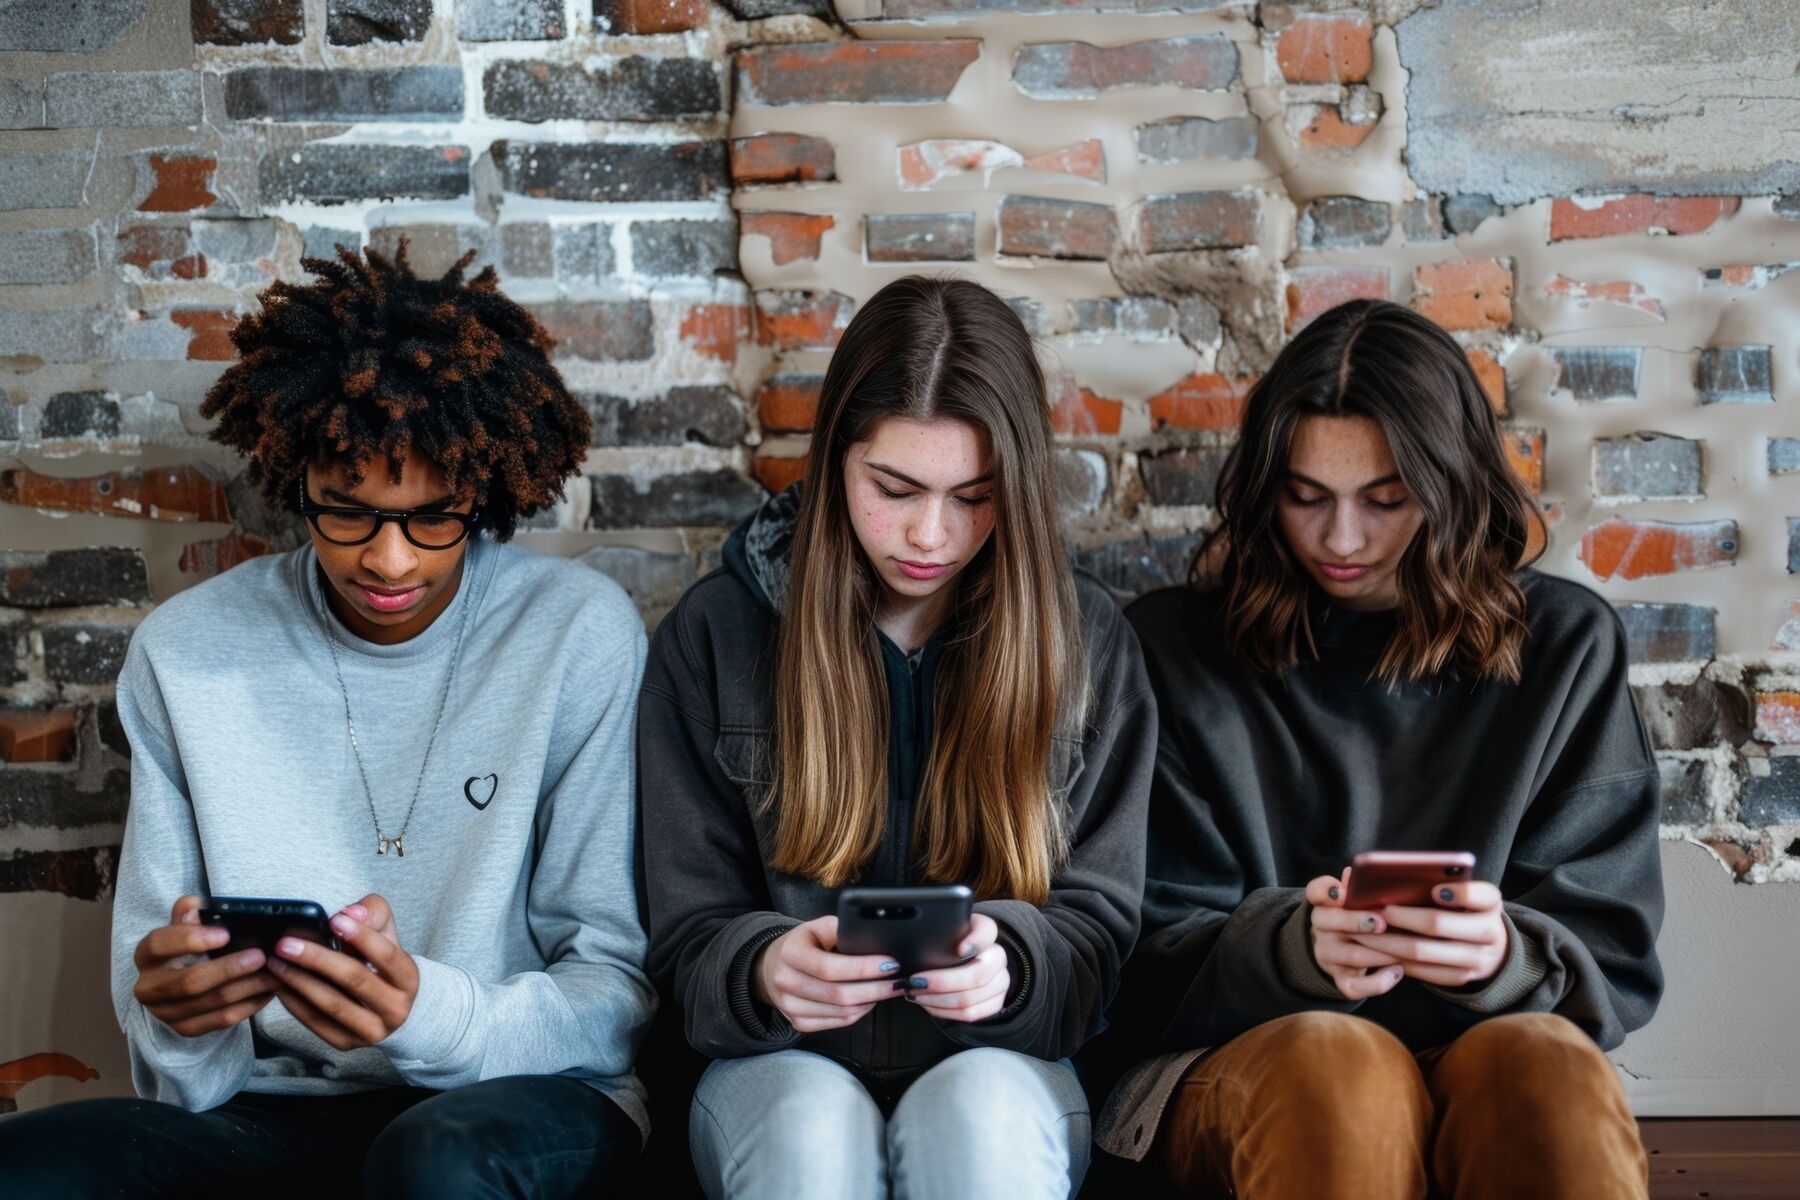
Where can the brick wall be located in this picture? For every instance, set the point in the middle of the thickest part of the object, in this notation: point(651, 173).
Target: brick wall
point(694, 195)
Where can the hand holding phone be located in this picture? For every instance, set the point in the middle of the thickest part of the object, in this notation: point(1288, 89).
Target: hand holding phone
point(185, 983)
point(355, 996)
point(802, 975)
point(1359, 971)
point(973, 990)
point(1454, 936)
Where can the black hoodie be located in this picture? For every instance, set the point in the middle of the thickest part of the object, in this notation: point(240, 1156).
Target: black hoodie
point(704, 747)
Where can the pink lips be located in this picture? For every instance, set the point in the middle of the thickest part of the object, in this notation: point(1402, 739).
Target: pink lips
point(921, 570)
point(388, 602)
point(1342, 573)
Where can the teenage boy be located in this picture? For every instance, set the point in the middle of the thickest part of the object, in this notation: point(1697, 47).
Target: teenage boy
point(425, 730)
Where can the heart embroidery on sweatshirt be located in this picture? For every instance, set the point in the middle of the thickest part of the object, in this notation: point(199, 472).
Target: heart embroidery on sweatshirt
point(469, 789)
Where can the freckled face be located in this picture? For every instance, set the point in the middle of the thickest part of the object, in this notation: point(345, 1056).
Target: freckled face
point(1345, 512)
point(921, 496)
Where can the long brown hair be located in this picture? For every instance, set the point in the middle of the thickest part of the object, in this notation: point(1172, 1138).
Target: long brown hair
point(1460, 606)
point(1012, 671)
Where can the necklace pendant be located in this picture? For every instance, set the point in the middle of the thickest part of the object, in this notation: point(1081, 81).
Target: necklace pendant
point(400, 847)
point(381, 845)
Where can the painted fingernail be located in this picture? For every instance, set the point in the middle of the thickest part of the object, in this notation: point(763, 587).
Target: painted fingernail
point(1334, 893)
point(1368, 924)
point(291, 947)
point(918, 981)
point(1396, 973)
point(343, 926)
point(249, 958)
point(1446, 894)
point(900, 985)
point(888, 968)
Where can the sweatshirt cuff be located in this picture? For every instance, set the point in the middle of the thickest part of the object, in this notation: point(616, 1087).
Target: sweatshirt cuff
point(441, 1014)
point(1019, 972)
point(1294, 958)
point(1519, 975)
point(758, 1020)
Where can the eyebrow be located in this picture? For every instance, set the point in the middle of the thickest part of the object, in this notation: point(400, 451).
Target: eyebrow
point(349, 501)
point(1370, 486)
point(909, 480)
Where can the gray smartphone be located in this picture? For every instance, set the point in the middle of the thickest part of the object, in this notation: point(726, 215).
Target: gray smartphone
point(918, 927)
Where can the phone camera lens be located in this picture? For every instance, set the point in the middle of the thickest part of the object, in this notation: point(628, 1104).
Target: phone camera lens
point(880, 912)
point(1453, 870)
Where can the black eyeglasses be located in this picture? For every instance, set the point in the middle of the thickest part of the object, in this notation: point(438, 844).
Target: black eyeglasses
point(354, 526)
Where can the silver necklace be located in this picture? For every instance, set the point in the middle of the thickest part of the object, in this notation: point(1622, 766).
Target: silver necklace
point(398, 841)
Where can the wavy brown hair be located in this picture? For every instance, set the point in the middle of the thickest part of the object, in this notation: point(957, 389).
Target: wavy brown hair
point(370, 362)
point(1461, 608)
point(1012, 673)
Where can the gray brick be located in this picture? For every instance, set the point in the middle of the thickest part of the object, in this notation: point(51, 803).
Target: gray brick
point(72, 28)
point(1133, 316)
point(417, 94)
point(600, 330)
point(84, 653)
point(85, 874)
point(337, 174)
point(111, 575)
point(1656, 633)
point(1784, 455)
point(629, 89)
point(1134, 565)
point(525, 250)
point(613, 171)
point(54, 180)
point(235, 242)
point(1793, 553)
point(704, 498)
point(1344, 222)
point(322, 241)
point(53, 799)
point(1422, 220)
point(757, 10)
point(1199, 220)
point(653, 581)
point(1078, 71)
point(1185, 139)
point(248, 22)
point(1039, 227)
point(9, 421)
point(433, 249)
point(1686, 791)
point(1647, 466)
point(1183, 476)
point(81, 99)
point(1464, 214)
point(1594, 373)
point(1734, 375)
point(683, 247)
point(919, 237)
point(710, 415)
point(79, 414)
point(54, 336)
point(359, 22)
point(1693, 716)
point(21, 103)
point(1080, 481)
point(1200, 321)
point(1773, 799)
point(1788, 206)
point(583, 253)
point(46, 255)
point(509, 20)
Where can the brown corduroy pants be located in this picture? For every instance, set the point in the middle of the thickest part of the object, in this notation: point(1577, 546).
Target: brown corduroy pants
point(1323, 1105)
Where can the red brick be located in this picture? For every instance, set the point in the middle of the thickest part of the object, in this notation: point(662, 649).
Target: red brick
point(1314, 290)
point(1619, 291)
point(37, 737)
point(802, 320)
point(778, 472)
point(1079, 412)
point(791, 236)
point(234, 23)
point(1466, 293)
point(182, 184)
point(789, 403)
point(1329, 131)
point(651, 16)
point(1199, 221)
point(1084, 160)
point(163, 494)
point(1492, 377)
point(161, 250)
point(218, 555)
point(782, 158)
point(1778, 717)
point(853, 72)
point(1525, 452)
point(211, 329)
point(715, 330)
point(1639, 213)
point(1039, 227)
point(1635, 549)
point(933, 160)
point(1202, 401)
point(1326, 49)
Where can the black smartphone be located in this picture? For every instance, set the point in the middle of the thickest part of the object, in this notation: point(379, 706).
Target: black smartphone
point(260, 923)
point(918, 927)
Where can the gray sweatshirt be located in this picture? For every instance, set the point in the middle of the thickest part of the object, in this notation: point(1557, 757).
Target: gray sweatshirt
point(515, 896)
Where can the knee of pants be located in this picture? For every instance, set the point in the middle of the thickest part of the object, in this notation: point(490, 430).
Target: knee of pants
point(438, 1153)
point(773, 1119)
point(990, 1112)
point(1526, 1061)
point(967, 1089)
point(50, 1151)
point(1331, 1070)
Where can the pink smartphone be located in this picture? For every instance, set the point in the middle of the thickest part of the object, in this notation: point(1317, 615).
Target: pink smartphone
point(1382, 877)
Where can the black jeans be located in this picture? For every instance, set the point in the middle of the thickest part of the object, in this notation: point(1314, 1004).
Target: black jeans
point(527, 1135)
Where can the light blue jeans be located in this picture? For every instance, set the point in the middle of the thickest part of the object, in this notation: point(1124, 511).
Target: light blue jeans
point(795, 1125)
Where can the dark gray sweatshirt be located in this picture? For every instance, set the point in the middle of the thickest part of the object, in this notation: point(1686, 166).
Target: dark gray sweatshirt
point(1264, 783)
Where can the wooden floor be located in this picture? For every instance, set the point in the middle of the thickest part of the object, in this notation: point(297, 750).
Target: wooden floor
point(1748, 1159)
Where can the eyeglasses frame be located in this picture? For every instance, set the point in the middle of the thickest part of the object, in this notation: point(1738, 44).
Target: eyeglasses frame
point(312, 512)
